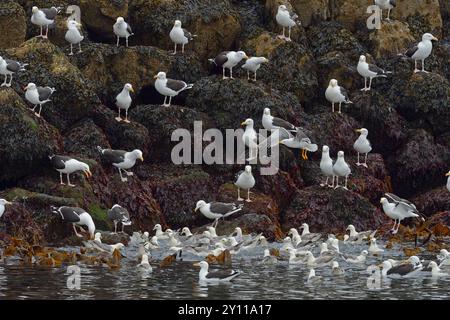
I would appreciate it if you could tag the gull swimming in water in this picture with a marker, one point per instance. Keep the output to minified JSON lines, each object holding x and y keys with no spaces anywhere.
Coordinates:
{"x":362,"y":145}
{"x":357,"y":260}
{"x":436,"y":270}
{"x":373,"y":248}
{"x":206,"y":276}
{"x":268,"y":258}
{"x":336,"y":270}
{"x":145,"y":265}
{"x":312,"y":278}
{"x":405,"y":270}
{"x":359,"y":236}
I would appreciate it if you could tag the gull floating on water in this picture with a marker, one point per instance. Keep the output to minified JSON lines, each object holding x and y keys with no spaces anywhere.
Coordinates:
{"x":206,"y":276}
{"x":358,"y":259}
{"x":336,"y":270}
{"x":145,"y":265}
{"x":373,"y":248}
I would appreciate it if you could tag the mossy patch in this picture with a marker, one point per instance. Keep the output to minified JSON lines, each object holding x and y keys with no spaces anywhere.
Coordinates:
{"x":100,"y":217}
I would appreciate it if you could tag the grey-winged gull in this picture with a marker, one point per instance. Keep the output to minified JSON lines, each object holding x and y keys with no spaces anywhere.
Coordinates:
{"x":436,"y":270}
{"x":341,"y":169}
{"x":300,"y":141}
{"x":389,"y":210}
{"x":421,"y":51}
{"x":326,"y":166}
{"x":217,"y":210}
{"x":122,"y":160}
{"x":336,"y":94}
{"x":3,"y":202}
{"x":253,"y":64}
{"x":369,"y":71}
{"x":336,"y":270}
{"x":73,"y":35}
{"x":448,"y":180}
{"x":119,"y":214}
{"x":404,"y":270}
{"x":362,"y":145}
{"x":122,"y":30}
{"x":169,"y":87}
{"x":228,"y":60}
{"x":38,"y":96}
{"x":8,"y":68}
{"x":246,"y":181}
{"x":206,"y":276}
{"x":286,"y":19}
{"x":250,"y":138}
{"x":269,"y":259}
{"x":373,"y":247}
{"x":179,"y":35}
{"x":395,"y":206}
{"x":270,"y":122}
{"x":78,"y":217}
{"x":123,"y":101}
{"x":144,"y":264}
{"x":361,"y":258}
{"x":44,"y":18}
{"x":385,"y":5}
{"x":69,"y":165}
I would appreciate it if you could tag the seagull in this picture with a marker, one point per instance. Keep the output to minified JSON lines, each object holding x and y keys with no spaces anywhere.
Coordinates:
{"x":362,"y":145}
{"x":145,"y":265}
{"x":395,"y":206}
{"x":293,"y":257}
{"x":122,"y":30}
{"x":73,"y":35}
{"x":358,"y":259}
{"x":68,"y":165}
{"x":373,"y":248}
{"x":421,"y":51}
{"x":268,"y":258}
{"x":228,"y":60}
{"x":122,"y":160}
{"x":312,"y":261}
{"x":246,"y":181}
{"x":341,"y":169}
{"x":212,"y":231}
{"x":271,"y":123}
{"x":326,"y":166}
{"x":205,"y":276}
{"x":444,"y":258}
{"x":250,"y":138}
{"x":312,"y":278}
{"x":3,"y":202}
{"x":300,"y":141}
{"x":44,"y":17}
{"x":217,"y":210}
{"x":123,"y":101}
{"x":186,"y":232}
{"x":38,"y":96}
{"x":336,"y":270}
{"x":253,"y":64}
{"x":404,"y":270}
{"x":359,"y":236}
{"x":76,"y":216}
{"x":159,"y":233}
{"x":119,"y":214}
{"x":307,"y":235}
{"x":286,"y":19}
{"x":169,"y":87}
{"x":436,"y":271}
{"x":179,"y":35}
{"x":385,"y":5}
{"x":8,"y":68}
{"x":448,"y":180}
{"x":389,"y":210}
{"x":370,"y":71}
{"x":336,"y":94}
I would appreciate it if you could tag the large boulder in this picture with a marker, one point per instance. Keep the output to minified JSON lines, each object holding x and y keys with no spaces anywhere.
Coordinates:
{"x":13,"y":22}
{"x":423,"y":16}
{"x":433,"y":201}
{"x":393,"y":38}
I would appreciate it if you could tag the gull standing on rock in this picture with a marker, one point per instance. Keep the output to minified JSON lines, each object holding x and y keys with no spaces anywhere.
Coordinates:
{"x":385,"y":5}
{"x":326,"y":166}
{"x":68,"y":165}
{"x":123,"y":101}
{"x":250,"y":139}
{"x":38,"y":96}
{"x":253,"y":64}
{"x":169,"y":87}
{"x":122,"y":30}
{"x":44,"y":18}
{"x":421,"y":51}
{"x":398,"y":208}
{"x":246,"y":181}
{"x":362,"y":145}
{"x":73,"y":35}
{"x":369,"y":71}
{"x":8,"y":68}
{"x":341,"y":169}
{"x":122,"y":160}
{"x":336,"y":94}
{"x":286,"y":19}
{"x":3,"y":202}
{"x":119,"y":214}
{"x":179,"y":35}
{"x":448,"y":180}
{"x":217,"y":210}
{"x":228,"y":60}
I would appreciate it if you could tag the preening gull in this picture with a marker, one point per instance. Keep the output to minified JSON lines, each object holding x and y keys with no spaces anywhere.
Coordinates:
{"x":217,"y":210}
{"x":448,"y":180}
{"x":44,"y":18}
{"x":421,"y":51}
{"x":385,"y":5}
{"x":253,"y":64}
{"x":250,"y":139}
{"x":119,"y":214}
{"x":122,"y":30}
{"x":228,"y":60}
{"x":205,"y":276}
{"x":122,"y":160}
{"x":169,"y":87}
{"x":123,"y":101}
{"x":300,"y":141}
{"x":8,"y":68}
{"x":179,"y":35}
{"x":369,"y":71}
{"x":326,"y":166}
{"x":68,"y":165}
{"x":341,"y":169}
{"x":38,"y":96}
{"x":3,"y":202}
{"x":270,"y":122}
{"x":246,"y":181}
{"x":398,"y":209}
{"x":362,"y":145}
{"x":336,"y":94}
{"x":286,"y":19}
{"x":78,"y":217}
{"x":73,"y":35}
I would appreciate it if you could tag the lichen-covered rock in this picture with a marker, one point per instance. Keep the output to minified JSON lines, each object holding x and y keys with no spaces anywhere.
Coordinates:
{"x":251,"y":223}
{"x":13,"y":24}
{"x":433,"y":201}
{"x":311,"y":11}
{"x":26,"y":140}
{"x":422,"y":16}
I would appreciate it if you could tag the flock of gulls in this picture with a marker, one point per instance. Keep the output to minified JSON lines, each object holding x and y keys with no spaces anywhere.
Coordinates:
{"x":310,"y":249}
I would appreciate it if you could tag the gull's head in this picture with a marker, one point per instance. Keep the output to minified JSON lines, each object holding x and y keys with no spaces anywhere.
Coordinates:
{"x":363,"y":131}
{"x":266,"y":253}
{"x":35,"y":9}
{"x":362,"y":58}
{"x":444,"y":252}
{"x":304,"y":225}
{"x":350,"y":228}
{"x":200,"y":204}
{"x":292,"y":231}
{"x":185,"y":231}
{"x":161,"y":75}
{"x":202,"y":265}
{"x":325,"y":149}
{"x":85,"y":168}
{"x":287,"y":240}
{"x":323,"y":246}
{"x":98,"y":236}
{"x":373,"y":240}
{"x":333,"y":83}
{"x":30,"y":86}
{"x":207,"y":234}
{"x":387,"y":265}
{"x":433,"y":265}
{"x":128,"y":87}
{"x":264,"y":60}
{"x":341,"y":154}
{"x":120,"y":20}
{"x":248,"y":169}
{"x":248,"y":122}
{"x":282,"y":8}
{"x":447,"y":174}
{"x":346,"y":237}
{"x":242,"y":55}
{"x":335,"y":264}
{"x":364,"y":252}
{"x":383,"y":200}
{"x":177,"y":23}
{"x":119,"y":246}
{"x":414,"y":260}
{"x":157,"y":227}
{"x":267,"y":111}
{"x":138,"y":154}
{"x":428,"y":37}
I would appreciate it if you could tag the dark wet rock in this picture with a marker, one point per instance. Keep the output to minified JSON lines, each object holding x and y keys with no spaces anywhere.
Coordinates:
{"x":281,"y":187}
{"x":26,"y":141}
{"x":433,"y":201}
{"x":113,"y":238}
{"x":251,"y":223}
{"x":12,"y":23}
{"x":82,"y":138}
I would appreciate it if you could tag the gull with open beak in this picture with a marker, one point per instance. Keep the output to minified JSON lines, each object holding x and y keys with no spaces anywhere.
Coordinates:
{"x":3,"y":202}
{"x":68,"y":165}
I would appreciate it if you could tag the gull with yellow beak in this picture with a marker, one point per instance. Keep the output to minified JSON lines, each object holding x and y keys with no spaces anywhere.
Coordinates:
{"x":122,"y":160}
{"x":68,"y":165}
{"x":217,"y":210}
{"x":38,"y":96}
{"x":300,"y":141}
{"x":169,"y":87}
{"x":123,"y":101}
{"x":228,"y":60}
{"x":336,"y":94}
{"x":250,"y":139}
{"x":3,"y":202}
{"x":73,"y":35}
{"x":362,"y":145}
{"x":253,"y":64}
{"x":448,"y":180}
{"x":421,"y":51}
